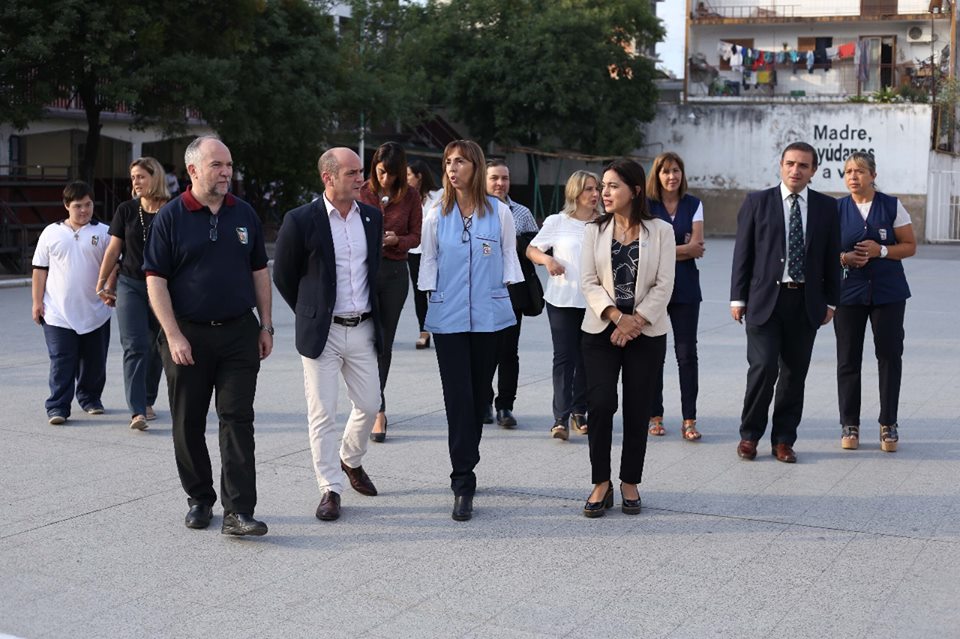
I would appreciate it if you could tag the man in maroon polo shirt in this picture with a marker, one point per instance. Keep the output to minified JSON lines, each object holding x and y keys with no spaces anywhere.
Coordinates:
{"x":206,"y":269}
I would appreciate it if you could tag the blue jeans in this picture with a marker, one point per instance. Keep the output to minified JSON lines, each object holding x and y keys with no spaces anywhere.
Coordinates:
{"x":138,"y":336}
{"x":77,"y":362}
{"x":569,"y":380}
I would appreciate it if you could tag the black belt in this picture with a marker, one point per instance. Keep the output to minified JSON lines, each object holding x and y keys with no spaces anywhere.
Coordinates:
{"x":792,"y":285}
{"x":222,"y":322}
{"x":351,"y":321}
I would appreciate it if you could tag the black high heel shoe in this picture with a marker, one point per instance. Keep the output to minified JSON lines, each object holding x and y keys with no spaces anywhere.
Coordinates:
{"x":380,"y":437}
{"x":599,"y":508}
{"x":629,"y":506}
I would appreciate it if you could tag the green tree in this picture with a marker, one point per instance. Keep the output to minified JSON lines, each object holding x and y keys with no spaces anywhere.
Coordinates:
{"x":545,"y":73}
{"x":281,"y":107}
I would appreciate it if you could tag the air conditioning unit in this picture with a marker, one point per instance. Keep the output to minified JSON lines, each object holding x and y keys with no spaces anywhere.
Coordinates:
{"x":919,"y":34}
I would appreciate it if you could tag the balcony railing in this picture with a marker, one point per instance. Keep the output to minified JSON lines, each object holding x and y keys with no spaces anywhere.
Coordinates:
{"x":743,"y":9}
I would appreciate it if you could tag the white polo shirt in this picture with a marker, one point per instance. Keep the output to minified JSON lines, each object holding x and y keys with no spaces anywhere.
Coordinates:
{"x":72,"y":259}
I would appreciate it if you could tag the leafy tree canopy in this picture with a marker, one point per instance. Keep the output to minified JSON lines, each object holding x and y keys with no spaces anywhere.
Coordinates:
{"x":546,"y":73}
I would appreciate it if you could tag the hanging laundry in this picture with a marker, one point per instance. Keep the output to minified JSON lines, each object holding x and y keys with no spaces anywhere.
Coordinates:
{"x":863,"y":68}
{"x":725,"y":49}
{"x":833,"y":52}
{"x":846,"y":50}
{"x":810,"y":61}
{"x":736,"y":59}
{"x":794,"y":56}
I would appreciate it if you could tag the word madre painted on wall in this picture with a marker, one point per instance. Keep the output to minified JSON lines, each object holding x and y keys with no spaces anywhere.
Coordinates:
{"x":834,"y":145}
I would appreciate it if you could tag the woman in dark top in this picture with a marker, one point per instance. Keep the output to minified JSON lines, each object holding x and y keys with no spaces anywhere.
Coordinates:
{"x":669,"y":201}
{"x":627,"y":269}
{"x":129,"y":231}
{"x":876,"y":234}
{"x":402,"y":212}
{"x":421,"y":180}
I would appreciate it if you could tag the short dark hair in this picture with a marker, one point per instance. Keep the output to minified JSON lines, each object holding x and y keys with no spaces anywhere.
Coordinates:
{"x":803,"y":147}
{"x":492,"y":162}
{"x":76,"y":191}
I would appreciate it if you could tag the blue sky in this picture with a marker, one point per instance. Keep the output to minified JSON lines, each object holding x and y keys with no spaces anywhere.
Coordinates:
{"x":671,"y":49}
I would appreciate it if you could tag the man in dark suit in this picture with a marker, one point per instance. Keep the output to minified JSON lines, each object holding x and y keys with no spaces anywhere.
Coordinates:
{"x":327,"y":256}
{"x":785,"y":284}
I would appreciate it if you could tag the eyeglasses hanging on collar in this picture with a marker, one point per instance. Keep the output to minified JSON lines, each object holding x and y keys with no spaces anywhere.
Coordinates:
{"x":467,"y":223}
{"x":214,"y":220}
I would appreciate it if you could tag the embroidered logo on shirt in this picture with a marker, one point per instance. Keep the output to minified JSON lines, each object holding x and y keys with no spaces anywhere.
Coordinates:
{"x":883,"y":234}
{"x":486,"y":249}
{"x":242,"y":234}
{"x":95,"y":240}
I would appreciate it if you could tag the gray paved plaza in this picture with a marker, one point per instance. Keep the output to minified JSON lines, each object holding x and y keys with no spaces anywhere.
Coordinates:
{"x":841,"y":544}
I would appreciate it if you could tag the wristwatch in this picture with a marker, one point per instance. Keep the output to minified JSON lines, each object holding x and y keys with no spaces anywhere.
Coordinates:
{"x":268,"y":329}
{"x":883,"y":250}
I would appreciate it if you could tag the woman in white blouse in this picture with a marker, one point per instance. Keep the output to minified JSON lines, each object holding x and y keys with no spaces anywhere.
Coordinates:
{"x":563,"y":233}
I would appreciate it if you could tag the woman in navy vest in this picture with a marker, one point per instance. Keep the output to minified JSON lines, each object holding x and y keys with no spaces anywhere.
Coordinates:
{"x":469,"y":256}
{"x":875,"y":234}
{"x":669,"y":201}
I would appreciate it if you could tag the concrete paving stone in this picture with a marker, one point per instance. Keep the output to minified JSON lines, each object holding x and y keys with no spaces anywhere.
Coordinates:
{"x":94,"y":542}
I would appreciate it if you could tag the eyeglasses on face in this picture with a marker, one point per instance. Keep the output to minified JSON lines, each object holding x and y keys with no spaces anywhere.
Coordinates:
{"x":214,"y":220}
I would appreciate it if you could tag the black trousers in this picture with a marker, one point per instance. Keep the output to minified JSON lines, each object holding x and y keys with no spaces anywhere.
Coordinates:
{"x":466,"y":362}
{"x":226,"y":363}
{"x":850,"y":326}
{"x":639,"y":362}
{"x":419,"y":297}
{"x":684,"y":318}
{"x":569,"y":379}
{"x":778,"y":353}
{"x":391,"y":294}
{"x":508,"y":367}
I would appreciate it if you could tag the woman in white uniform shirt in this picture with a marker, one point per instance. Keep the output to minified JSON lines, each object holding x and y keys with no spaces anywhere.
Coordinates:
{"x":563,"y":233}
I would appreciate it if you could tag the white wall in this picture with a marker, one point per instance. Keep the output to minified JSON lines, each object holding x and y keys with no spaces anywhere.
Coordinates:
{"x":737,"y":146}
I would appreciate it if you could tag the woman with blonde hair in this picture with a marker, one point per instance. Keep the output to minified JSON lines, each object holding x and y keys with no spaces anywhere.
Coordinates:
{"x":563,"y":233}
{"x":669,"y":201}
{"x":469,"y":257}
{"x":130,"y":230}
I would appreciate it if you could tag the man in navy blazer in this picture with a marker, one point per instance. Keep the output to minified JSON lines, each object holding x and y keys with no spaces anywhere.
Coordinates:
{"x":327,"y":255}
{"x":784,"y":295}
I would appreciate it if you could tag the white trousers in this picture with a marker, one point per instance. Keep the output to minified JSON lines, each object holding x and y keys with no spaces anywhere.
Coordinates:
{"x":352,"y":352}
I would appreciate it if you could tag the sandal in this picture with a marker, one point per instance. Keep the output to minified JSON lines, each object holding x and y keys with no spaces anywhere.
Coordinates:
{"x":423,"y":341}
{"x":655,"y":427}
{"x":889,"y":438}
{"x":690,"y":432}
{"x":850,"y":437}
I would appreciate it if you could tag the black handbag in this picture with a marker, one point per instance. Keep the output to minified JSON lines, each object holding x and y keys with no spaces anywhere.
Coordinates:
{"x":526,"y":296}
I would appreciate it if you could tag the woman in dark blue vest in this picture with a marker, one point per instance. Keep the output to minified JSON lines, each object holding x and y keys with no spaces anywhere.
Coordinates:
{"x":669,"y":200}
{"x":876,"y":234}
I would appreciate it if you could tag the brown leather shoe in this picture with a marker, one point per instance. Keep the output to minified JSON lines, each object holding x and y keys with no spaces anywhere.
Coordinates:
{"x":784,"y":453}
{"x":359,"y":480}
{"x":747,"y":449}
{"x":329,"y":508}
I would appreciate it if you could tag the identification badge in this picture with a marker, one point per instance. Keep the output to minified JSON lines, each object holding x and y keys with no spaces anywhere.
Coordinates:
{"x":242,"y":234}
{"x":883,"y":234}
{"x":487,"y":250}
{"x":95,"y":240}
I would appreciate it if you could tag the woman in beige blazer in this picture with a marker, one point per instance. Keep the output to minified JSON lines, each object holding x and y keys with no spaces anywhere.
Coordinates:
{"x":627,"y":269}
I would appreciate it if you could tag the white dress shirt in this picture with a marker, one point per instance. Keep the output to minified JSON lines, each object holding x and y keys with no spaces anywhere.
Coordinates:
{"x":564,"y":234}
{"x":802,"y":200}
{"x":350,"y":254}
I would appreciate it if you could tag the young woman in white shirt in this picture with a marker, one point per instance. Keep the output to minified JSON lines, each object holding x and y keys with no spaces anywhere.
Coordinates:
{"x":563,"y":233}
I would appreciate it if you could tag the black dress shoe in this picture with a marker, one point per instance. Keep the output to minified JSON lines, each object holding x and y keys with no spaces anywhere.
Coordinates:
{"x":488,"y":417}
{"x":629,"y":506}
{"x":242,"y":524}
{"x":329,"y":508}
{"x":381,"y":437}
{"x":505,"y":419}
{"x":599,"y":508}
{"x":462,"y":507}
{"x":198,"y":516}
{"x":359,"y":480}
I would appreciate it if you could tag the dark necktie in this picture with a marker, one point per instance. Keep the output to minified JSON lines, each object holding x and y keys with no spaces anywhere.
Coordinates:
{"x":795,"y":241}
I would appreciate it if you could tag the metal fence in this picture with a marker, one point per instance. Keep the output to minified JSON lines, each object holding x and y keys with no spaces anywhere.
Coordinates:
{"x":943,"y":207}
